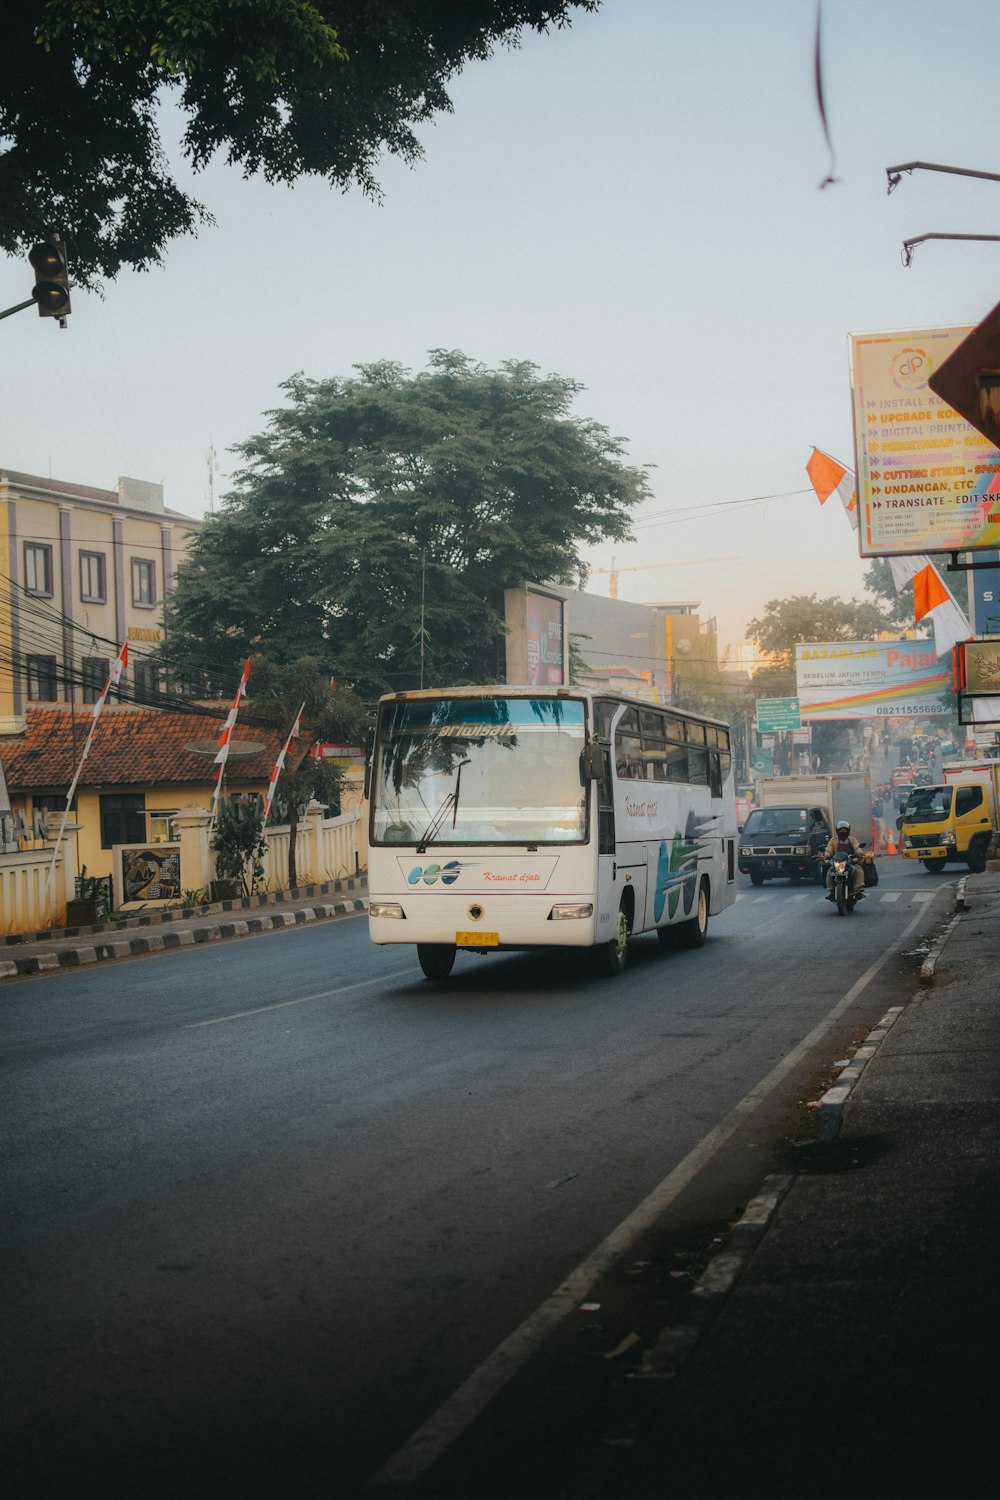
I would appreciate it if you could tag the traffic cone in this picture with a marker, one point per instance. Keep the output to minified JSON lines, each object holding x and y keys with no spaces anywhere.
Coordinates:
{"x":890,"y":847}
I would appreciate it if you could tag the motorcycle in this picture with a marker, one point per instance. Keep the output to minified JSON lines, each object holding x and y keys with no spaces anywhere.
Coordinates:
{"x":843,"y":865}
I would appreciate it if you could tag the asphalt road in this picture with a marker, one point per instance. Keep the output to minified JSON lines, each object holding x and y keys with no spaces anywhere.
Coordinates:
{"x":269,"y":1205}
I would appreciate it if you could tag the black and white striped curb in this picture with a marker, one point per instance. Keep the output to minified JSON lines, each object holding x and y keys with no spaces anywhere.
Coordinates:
{"x":663,"y":1359}
{"x":831,"y":1105}
{"x":156,"y":942}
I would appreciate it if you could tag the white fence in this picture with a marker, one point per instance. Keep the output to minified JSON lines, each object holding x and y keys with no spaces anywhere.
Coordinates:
{"x":29,"y":900}
{"x":326,"y":849}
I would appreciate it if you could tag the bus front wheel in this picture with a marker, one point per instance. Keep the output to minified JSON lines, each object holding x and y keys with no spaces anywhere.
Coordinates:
{"x":436,"y":959}
{"x":613,"y":955}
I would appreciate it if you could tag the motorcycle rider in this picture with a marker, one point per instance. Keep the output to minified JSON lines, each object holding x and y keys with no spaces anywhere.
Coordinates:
{"x":843,"y":841}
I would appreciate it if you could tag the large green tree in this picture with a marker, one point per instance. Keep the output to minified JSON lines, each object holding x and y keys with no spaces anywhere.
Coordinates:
{"x":283,"y":87}
{"x":786,"y":623}
{"x":377,"y":522}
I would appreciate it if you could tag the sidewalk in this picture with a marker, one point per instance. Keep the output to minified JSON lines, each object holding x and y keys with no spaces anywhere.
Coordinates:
{"x":156,"y":930}
{"x":845,"y":1340}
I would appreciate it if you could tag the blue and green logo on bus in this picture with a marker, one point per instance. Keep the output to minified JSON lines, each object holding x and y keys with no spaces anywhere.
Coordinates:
{"x":677,"y":871}
{"x":430,"y":874}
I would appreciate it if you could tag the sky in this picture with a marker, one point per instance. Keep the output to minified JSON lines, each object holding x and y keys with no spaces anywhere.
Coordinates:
{"x":633,"y":203}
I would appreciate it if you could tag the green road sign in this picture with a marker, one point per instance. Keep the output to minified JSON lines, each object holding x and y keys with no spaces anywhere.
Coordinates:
{"x":777,"y":713}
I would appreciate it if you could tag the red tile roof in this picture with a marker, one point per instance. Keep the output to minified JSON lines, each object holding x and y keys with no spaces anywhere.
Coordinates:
{"x":143,"y":747}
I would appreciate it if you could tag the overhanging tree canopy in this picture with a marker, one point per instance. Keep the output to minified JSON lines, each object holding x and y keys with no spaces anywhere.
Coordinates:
{"x":379,"y":519}
{"x":283,"y":87}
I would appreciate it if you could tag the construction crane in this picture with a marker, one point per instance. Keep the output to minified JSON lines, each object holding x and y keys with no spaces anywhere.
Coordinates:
{"x":614,"y":570}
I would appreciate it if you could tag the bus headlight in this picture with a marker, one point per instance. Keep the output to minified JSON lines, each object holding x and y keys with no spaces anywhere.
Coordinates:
{"x":386,"y":909}
{"x":570,"y":910}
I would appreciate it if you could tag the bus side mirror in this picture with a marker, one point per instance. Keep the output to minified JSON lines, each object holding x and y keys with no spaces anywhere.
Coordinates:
{"x":368,"y":780}
{"x":592,"y":761}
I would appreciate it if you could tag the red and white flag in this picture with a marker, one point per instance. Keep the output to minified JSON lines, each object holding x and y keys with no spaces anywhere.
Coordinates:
{"x":827,"y":477}
{"x":279,"y":764}
{"x":230,"y":724}
{"x":931,"y":596}
{"x":114,"y":678}
{"x":226,"y":736}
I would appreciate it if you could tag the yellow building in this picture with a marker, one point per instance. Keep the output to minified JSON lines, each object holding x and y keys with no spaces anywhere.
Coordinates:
{"x":81,"y":571}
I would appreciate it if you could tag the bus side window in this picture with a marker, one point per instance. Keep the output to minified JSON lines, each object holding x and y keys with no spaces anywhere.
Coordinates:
{"x":715,"y":777}
{"x":697,"y":767}
{"x":628,"y":747}
{"x":677,"y":763}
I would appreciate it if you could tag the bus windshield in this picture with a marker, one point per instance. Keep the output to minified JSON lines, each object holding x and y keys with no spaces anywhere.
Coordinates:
{"x":479,"y":770}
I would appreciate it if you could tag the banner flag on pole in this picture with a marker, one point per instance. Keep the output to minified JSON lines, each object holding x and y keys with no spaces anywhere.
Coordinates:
{"x":905,"y":569}
{"x":279,"y":764}
{"x":928,"y":592}
{"x":827,"y":477}
{"x":226,"y":736}
{"x":931,"y":596}
{"x":114,"y":678}
{"x":230,"y":724}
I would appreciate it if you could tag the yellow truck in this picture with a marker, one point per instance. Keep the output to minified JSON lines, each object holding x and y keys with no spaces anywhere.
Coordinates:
{"x":955,"y":821}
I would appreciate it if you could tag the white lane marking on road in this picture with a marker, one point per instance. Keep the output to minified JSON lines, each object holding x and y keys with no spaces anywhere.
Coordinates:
{"x":241,"y":1015}
{"x":924,"y":895}
{"x":425,"y":1446}
{"x":891,"y":896}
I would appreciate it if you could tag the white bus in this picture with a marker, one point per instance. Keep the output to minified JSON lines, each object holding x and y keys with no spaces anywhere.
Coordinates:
{"x":524,"y":817}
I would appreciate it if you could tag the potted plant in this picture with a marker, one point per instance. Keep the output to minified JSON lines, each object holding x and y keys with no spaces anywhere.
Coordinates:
{"x":91,"y":893}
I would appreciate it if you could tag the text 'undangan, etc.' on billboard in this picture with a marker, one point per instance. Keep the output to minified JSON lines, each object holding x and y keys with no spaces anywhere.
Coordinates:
{"x":927,"y":480}
{"x":870,"y":680}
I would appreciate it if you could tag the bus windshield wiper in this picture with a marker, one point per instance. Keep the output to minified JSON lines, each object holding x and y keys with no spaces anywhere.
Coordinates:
{"x":449,"y":805}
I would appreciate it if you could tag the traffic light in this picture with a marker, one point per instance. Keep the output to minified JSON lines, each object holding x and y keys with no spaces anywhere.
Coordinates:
{"x":51,"y":289}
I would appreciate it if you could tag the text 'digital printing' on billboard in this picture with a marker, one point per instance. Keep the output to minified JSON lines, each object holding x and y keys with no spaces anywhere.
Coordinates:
{"x":927,"y":480}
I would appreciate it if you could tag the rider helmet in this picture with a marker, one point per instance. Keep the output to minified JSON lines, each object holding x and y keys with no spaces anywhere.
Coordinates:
{"x":843,"y":826}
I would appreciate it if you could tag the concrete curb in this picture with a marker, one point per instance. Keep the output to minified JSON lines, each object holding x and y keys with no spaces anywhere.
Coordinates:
{"x":663,"y":1359}
{"x":831,"y":1104}
{"x":137,"y":946}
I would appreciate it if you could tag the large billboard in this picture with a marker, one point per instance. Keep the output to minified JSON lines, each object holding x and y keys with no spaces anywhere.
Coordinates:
{"x":870,"y":680}
{"x":928,"y":481}
{"x":536,"y":637}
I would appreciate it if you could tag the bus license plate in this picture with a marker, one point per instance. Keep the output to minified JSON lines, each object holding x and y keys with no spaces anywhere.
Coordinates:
{"x":477,"y":940}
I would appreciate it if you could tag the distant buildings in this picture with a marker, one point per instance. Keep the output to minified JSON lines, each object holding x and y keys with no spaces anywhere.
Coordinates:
{"x":81,"y":571}
{"x":657,"y":651}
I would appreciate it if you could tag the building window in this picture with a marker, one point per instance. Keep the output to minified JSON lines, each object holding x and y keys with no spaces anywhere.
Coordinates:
{"x":93,"y":588}
{"x":96,"y":670}
{"x":146,"y":679}
{"x":143,"y":581}
{"x":42,"y":679}
{"x":123,"y":819}
{"x":37,"y":568}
